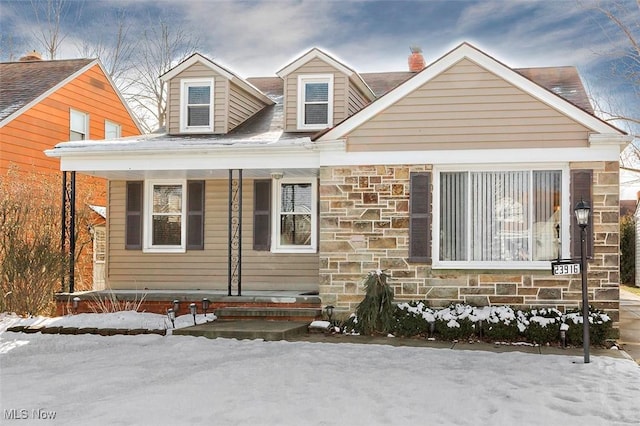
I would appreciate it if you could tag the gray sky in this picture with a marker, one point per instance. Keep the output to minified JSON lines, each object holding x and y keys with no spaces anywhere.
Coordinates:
{"x":257,"y":38}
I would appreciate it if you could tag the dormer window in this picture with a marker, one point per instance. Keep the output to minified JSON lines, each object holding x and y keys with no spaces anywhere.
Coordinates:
{"x":315,"y":102}
{"x":196,"y":101}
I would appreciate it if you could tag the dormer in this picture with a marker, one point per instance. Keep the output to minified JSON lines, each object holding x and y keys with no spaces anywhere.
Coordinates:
{"x":206,"y":98}
{"x":320,"y":92}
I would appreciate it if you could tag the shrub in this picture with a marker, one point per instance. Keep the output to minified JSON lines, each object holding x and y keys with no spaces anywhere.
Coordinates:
{"x":600,"y":327}
{"x":628,"y":250}
{"x":499,"y":323}
{"x":375,"y":312}
{"x":31,"y":263}
{"x":542,"y":325}
{"x":412,"y":319}
{"x":454,"y":322}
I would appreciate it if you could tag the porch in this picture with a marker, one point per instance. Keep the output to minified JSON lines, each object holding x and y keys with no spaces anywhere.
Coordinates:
{"x":281,"y":305}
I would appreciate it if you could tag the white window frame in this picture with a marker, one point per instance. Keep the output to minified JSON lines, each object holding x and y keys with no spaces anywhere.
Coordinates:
{"x":276,"y":247}
{"x":566,"y":217}
{"x":147,"y":233}
{"x":85,"y":120}
{"x":184,"y":87}
{"x":115,"y":127}
{"x":314,"y":78}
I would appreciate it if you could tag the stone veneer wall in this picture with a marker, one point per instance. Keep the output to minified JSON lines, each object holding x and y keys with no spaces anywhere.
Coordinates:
{"x":364,"y":224}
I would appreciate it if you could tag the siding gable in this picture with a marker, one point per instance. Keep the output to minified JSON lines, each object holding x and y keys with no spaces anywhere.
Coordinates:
{"x":233,"y":105}
{"x":467,"y":107}
{"x":348,"y":98}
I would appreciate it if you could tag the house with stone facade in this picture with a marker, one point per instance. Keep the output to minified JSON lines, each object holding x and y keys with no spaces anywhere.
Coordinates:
{"x":458,"y":177}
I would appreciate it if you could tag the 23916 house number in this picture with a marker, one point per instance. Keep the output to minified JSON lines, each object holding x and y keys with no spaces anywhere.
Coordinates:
{"x":565,"y":268}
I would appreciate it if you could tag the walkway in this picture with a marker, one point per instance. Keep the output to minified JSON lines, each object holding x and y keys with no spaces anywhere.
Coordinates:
{"x":630,"y":324}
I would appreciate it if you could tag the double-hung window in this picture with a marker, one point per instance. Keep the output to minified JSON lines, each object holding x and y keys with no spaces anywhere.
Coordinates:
{"x":196,"y":105}
{"x":165,"y":224}
{"x":511,"y":218}
{"x":78,"y":125}
{"x":295,"y":218}
{"x":315,"y":101}
{"x":111,"y":130}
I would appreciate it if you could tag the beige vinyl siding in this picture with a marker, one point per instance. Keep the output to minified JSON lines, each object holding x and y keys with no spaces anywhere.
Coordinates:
{"x":467,"y":107}
{"x":242,"y":105}
{"x":204,"y":269}
{"x":356,"y":100}
{"x":220,"y":91}
{"x":340,"y":92}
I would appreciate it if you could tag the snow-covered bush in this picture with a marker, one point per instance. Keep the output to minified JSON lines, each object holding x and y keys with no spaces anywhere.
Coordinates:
{"x":498,"y":322}
{"x":600,"y":326}
{"x":541,"y":325}
{"x":413,"y":319}
{"x":455,"y":322}
{"x":375,"y":312}
{"x":493,"y":323}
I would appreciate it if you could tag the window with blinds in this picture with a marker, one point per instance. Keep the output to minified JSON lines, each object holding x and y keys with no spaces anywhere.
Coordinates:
{"x":500,"y":216}
{"x":196,"y":98}
{"x":315,"y":101}
{"x":295,"y":224}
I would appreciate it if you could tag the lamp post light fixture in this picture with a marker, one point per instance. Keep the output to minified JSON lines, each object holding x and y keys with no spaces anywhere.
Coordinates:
{"x":329,"y":309}
{"x":205,"y":305}
{"x":582,"y":211}
{"x":171,"y":314}
{"x":176,"y":306}
{"x":76,"y":302}
{"x":193,"y":310}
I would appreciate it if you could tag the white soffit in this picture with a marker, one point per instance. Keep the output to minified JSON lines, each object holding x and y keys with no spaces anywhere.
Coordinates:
{"x":467,"y":51}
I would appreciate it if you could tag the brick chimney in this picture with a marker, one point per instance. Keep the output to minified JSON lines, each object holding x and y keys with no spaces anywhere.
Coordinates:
{"x":31,"y":56}
{"x":416,"y":60}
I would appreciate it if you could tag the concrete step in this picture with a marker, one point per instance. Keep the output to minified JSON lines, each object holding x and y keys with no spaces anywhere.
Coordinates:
{"x":269,"y":313}
{"x":246,"y":329}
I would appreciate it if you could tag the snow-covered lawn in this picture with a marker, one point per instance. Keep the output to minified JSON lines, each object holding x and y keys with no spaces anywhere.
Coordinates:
{"x":179,"y":380}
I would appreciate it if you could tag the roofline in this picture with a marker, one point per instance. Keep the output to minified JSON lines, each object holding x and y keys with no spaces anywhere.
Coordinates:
{"x":199,"y":58}
{"x":468,"y":51}
{"x":45,"y":94}
{"x":317,"y":53}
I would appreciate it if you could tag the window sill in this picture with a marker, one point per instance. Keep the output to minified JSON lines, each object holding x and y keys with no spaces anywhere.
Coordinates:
{"x":529,"y":266}
{"x":164,"y":250}
{"x":291,"y":250}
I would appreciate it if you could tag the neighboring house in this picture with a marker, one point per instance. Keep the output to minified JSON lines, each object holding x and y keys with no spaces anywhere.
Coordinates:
{"x":45,"y":102}
{"x":459,"y":179}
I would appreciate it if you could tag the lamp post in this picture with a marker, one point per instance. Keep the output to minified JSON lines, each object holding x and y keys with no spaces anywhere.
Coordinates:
{"x":329,"y":309}
{"x":171,"y":314}
{"x":205,"y":305}
{"x":582,"y":211}
{"x":193,"y":310}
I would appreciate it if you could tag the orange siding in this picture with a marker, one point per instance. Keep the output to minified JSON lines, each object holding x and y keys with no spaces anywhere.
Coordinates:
{"x":23,"y":140}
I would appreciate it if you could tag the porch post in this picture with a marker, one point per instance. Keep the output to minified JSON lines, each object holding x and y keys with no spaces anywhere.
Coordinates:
{"x":72,"y":232}
{"x":68,"y":222}
{"x":63,"y":225}
{"x":235,"y":232}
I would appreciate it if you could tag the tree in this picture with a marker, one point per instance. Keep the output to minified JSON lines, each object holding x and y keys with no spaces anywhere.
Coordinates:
{"x":623,"y":33}
{"x":116,"y":50}
{"x":49,"y":15}
{"x":160,"y":48}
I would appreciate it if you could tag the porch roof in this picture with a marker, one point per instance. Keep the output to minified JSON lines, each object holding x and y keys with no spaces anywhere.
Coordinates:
{"x":161,"y":156}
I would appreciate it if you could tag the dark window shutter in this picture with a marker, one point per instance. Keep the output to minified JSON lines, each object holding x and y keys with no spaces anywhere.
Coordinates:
{"x":581,"y":183}
{"x":133,"y":231}
{"x":420,"y":217}
{"x":262,"y":215}
{"x":195,"y":215}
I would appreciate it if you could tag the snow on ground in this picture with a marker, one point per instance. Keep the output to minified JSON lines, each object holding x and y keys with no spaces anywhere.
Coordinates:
{"x":181,"y":380}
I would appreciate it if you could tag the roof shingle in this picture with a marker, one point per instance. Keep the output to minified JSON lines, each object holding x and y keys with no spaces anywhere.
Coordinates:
{"x":22,"y":82}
